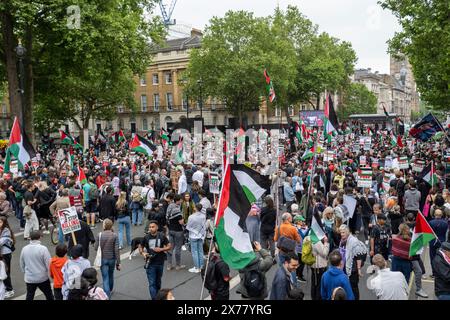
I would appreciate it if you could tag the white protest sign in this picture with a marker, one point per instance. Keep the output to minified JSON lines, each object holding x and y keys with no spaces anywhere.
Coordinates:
{"x":350,"y":203}
{"x":403,"y":163}
{"x":362,"y":161}
{"x":68,"y":219}
{"x":214,"y":183}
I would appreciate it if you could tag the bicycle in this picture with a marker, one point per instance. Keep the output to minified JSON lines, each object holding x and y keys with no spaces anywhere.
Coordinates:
{"x":54,"y":234}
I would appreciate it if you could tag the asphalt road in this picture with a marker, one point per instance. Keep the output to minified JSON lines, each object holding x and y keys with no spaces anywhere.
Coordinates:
{"x":131,"y":282}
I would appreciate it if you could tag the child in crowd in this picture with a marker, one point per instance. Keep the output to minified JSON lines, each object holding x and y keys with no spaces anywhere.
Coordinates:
{"x":3,"y":277}
{"x":56,"y":265}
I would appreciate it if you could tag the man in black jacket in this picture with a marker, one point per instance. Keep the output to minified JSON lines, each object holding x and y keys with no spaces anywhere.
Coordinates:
{"x":441,"y":265}
{"x":84,"y":236}
{"x":107,"y":207}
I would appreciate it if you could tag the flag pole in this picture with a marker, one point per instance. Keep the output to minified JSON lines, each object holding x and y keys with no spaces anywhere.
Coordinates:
{"x":440,"y":125}
{"x":312,"y":173}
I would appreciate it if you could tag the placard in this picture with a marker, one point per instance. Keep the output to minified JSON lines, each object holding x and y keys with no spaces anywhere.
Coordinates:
{"x":388,"y":162}
{"x":365,"y":178}
{"x":418,"y":165}
{"x":362,"y":161}
{"x":68,"y":219}
{"x":214,"y":183}
{"x":386,"y":181}
{"x":403,"y":163}
{"x":375,"y":163}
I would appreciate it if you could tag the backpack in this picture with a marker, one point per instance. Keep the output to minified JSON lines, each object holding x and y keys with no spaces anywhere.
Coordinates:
{"x":254,"y":283}
{"x":285,"y":244}
{"x":307,"y":255}
{"x":209,"y":276}
{"x":136,"y":196}
{"x":93,"y":192}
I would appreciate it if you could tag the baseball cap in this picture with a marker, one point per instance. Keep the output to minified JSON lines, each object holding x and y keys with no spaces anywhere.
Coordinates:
{"x":299,"y":217}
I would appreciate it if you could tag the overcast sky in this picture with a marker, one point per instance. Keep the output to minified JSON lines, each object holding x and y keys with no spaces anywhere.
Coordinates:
{"x":361,"y":22}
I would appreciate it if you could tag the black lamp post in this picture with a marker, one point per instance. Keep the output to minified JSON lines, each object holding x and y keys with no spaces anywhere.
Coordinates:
{"x":21,"y":51}
{"x":200,"y":83}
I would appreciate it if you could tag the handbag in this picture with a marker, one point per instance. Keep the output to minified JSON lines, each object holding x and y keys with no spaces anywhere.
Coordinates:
{"x":98,"y":257}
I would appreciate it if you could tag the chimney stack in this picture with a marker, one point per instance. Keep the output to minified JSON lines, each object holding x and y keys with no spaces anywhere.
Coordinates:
{"x":196,"y":32}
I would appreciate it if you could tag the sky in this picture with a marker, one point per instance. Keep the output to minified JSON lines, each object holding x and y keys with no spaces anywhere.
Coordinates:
{"x":362,"y":22}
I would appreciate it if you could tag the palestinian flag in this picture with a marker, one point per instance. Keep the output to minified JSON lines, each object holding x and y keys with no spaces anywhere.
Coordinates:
{"x":81,"y":179}
{"x":298,"y":133}
{"x":422,"y":234}
{"x":241,"y":187}
{"x":385,"y":111}
{"x":70,"y":158}
{"x":399,"y":141}
{"x":331,"y":123}
{"x":394,"y":140}
{"x":269,"y":86}
{"x":309,"y":153}
{"x":120,"y":136}
{"x":142,"y":145}
{"x":179,"y":155}
{"x":65,"y":138}
{"x":18,"y":146}
{"x":429,"y":174}
{"x":317,"y":233}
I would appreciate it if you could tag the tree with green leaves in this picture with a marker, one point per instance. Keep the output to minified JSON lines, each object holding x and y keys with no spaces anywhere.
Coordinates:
{"x":230,"y":64}
{"x":425,"y":40}
{"x":357,"y":99}
{"x":77,"y":71}
{"x":326,"y":63}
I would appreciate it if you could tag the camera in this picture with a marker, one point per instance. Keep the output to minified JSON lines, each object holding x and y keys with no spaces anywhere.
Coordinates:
{"x":148,"y":259}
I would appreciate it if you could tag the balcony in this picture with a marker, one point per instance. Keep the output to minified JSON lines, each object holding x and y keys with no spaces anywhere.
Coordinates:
{"x":178,"y":108}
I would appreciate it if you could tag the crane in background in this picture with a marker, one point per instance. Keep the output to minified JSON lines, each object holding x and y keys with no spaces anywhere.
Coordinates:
{"x":166,"y":12}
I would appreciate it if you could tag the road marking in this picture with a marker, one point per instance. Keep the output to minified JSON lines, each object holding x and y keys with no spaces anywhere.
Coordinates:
{"x":233,"y":283}
{"x":123,"y":256}
{"x":18,"y":234}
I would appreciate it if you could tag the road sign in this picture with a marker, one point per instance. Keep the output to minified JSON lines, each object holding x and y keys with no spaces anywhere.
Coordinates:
{"x":214,"y":183}
{"x":68,"y":219}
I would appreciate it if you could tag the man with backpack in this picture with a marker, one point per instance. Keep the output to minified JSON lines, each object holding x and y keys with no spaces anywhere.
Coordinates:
{"x":91,"y":195}
{"x":217,"y":276}
{"x":253,"y":277}
{"x":282,"y":282}
{"x":136,"y":201}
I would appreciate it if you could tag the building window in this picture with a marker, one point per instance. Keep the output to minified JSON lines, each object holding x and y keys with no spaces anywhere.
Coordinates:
{"x":291,"y":110}
{"x":156,"y":102}
{"x":109,"y":125}
{"x":213,"y":104}
{"x":120,"y":124}
{"x":214,"y":120}
{"x":144,"y":124}
{"x":303,"y":107}
{"x":4,"y":109}
{"x":143,"y":81}
{"x":277,"y":112}
{"x":169,"y":99}
{"x":184,"y":103}
{"x":144,"y":103}
{"x":120,"y":109}
{"x":168,"y":76}
{"x":155,"y":78}
{"x":199,"y":103}
{"x":167,"y":53}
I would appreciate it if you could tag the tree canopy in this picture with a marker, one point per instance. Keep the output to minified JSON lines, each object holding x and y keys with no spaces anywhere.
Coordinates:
{"x":357,"y":99}
{"x":238,"y":47}
{"x":425,"y":40}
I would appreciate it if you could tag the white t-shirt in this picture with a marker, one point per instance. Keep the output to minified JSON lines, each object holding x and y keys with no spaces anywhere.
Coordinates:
{"x":150,"y":194}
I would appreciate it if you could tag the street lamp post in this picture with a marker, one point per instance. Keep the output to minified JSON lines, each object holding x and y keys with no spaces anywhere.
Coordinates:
{"x":21,"y":51}
{"x":200,"y":83}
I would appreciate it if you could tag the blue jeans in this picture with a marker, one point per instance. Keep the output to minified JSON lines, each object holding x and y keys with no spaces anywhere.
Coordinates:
{"x":124,"y":222}
{"x":137,"y":215}
{"x":107,"y":270}
{"x":402,"y":265}
{"x":154,"y":275}
{"x":19,"y":215}
{"x":444,"y":297}
{"x":197,"y":252}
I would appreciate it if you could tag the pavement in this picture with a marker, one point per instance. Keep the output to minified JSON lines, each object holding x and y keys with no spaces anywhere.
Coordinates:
{"x":131,"y":282}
